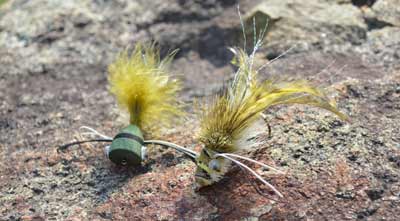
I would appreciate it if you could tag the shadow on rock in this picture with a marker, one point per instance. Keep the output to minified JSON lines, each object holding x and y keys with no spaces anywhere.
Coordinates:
{"x":232,"y":197}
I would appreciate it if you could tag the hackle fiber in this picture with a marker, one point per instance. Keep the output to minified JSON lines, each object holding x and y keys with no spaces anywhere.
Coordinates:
{"x":224,"y":122}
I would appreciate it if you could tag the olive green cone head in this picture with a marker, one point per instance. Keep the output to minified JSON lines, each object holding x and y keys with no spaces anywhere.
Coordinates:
{"x":127,"y":147}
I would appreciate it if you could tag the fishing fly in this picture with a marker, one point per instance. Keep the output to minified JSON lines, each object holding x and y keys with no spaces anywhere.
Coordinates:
{"x":141,"y":84}
{"x":227,"y":123}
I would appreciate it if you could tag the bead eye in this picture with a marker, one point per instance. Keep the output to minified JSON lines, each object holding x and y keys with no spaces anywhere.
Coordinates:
{"x":214,"y":165}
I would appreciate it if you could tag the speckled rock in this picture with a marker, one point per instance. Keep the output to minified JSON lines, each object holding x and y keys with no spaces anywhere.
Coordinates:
{"x":53,"y":59}
{"x":317,"y":24}
{"x":388,"y":11}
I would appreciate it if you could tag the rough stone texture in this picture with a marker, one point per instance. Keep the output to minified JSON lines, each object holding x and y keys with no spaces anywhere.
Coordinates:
{"x":388,"y":11}
{"x":383,"y":47}
{"x":314,"y":25}
{"x":53,"y":59}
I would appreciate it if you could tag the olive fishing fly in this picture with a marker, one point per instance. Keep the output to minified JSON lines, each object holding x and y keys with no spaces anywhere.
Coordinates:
{"x":142,"y":85}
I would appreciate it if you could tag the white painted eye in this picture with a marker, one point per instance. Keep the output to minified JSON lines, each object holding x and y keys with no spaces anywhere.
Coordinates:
{"x":214,"y":165}
{"x":144,"y":152}
{"x":107,"y":151}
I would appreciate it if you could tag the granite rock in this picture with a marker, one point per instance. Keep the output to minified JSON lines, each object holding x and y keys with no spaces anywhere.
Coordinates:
{"x":53,"y":79}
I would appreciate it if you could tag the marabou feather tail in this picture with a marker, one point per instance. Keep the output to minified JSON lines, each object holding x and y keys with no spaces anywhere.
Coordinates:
{"x":141,"y":84}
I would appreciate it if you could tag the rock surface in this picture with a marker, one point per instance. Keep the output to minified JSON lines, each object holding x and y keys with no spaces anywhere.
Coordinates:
{"x":388,"y":11}
{"x":53,"y":79}
{"x":315,"y":24}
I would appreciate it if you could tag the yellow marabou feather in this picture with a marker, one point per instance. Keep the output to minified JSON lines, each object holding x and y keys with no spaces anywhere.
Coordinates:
{"x":224,"y":123}
{"x":141,"y":84}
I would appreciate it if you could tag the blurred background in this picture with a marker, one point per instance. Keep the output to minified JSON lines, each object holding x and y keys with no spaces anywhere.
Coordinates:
{"x":53,"y":79}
